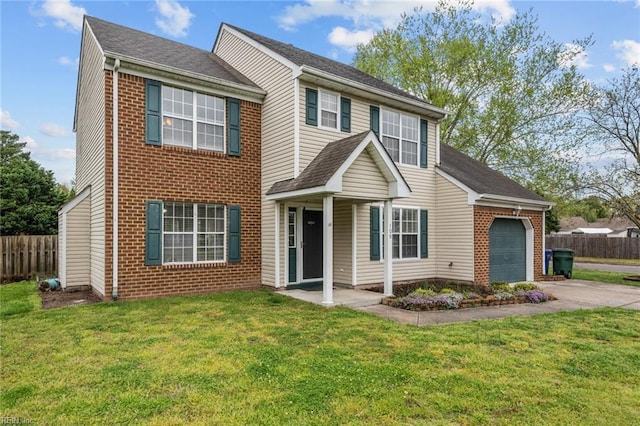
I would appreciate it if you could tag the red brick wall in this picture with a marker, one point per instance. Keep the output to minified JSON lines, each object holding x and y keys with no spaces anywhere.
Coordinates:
{"x":167,"y":173}
{"x":483,"y":218}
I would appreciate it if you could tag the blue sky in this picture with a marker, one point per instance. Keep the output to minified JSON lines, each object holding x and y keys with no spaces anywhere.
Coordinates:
{"x":40,"y":44}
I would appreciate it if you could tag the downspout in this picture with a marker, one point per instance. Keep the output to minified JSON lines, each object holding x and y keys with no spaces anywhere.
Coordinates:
{"x":296,"y":126}
{"x":114,"y":293}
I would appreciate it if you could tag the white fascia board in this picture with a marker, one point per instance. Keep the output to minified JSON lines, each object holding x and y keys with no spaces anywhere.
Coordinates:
{"x":295,"y":69}
{"x":148,"y":69}
{"x":514,"y":201}
{"x":316,"y":190}
{"x":431,"y":110}
{"x":71,"y":204}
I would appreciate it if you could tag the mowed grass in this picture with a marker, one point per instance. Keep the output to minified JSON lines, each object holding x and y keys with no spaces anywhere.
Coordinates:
{"x":609,"y":261}
{"x":604,"y":277}
{"x":261,"y":358}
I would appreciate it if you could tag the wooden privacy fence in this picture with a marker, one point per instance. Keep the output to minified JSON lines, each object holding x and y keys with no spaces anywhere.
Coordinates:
{"x":597,"y":246}
{"x":26,"y":256}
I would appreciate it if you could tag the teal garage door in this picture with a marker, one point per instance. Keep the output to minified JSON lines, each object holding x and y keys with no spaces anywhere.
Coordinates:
{"x":507,"y":251}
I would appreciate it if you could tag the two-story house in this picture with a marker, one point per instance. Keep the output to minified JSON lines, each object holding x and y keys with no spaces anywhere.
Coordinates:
{"x":340,"y":178}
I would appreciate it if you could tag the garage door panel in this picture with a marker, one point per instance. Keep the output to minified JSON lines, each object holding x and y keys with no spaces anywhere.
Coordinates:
{"x":507,"y":250}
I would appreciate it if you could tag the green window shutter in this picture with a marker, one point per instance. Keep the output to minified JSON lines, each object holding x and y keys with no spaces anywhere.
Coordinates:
{"x":345,"y":115}
{"x":374,"y":119}
{"x":233,"y":127}
{"x":423,"y":143}
{"x":153,"y":113}
{"x":312,"y":107}
{"x":153,"y":236}
{"x":374,"y":226}
{"x":234,"y":234}
{"x":424,"y":232}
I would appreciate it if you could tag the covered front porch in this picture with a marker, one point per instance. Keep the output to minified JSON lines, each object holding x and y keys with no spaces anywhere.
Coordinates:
{"x":322,"y":219}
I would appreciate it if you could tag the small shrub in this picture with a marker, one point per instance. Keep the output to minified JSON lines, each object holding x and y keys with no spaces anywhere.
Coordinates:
{"x":425,"y":292}
{"x":469,"y":295}
{"x":446,"y":291}
{"x":503,"y":295}
{"x":500,"y":287}
{"x":525,"y":287}
{"x":536,"y":296}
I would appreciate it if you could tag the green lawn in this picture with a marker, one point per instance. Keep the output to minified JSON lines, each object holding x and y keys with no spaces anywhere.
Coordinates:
{"x":604,"y":276}
{"x":609,"y":261}
{"x":260,"y":358}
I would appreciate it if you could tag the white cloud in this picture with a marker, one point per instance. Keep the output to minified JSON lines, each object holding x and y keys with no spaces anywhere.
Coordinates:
{"x":67,"y":61}
{"x":574,"y":55}
{"x":368,"y":17}
{"x":31,"y":143}
{"x":628,"y":51}
{"x":174,"y":18}
{"x":348,"y":40}
{"x":609,"y":67}
{"x":7,"y":122}
{"x":54,"y":130}
{"x":65,"y":15}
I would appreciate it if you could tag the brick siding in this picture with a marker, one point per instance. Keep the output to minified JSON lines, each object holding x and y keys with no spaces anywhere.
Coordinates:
{"x":483,"y":218}
{"x":169,"y":173}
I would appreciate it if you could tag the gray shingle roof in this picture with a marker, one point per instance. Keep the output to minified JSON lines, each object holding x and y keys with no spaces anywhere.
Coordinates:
{"x":302,"y":57}
{"x":125,"y":41}
{"x":321,"y":168}
{"x":481,"y":178}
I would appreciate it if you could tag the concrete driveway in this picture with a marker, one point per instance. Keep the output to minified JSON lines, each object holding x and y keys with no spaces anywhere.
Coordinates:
{"x":608,"y":267}
{"x":571,"y":294}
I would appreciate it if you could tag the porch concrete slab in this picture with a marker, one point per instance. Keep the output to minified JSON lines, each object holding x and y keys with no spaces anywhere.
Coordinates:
{"x":341,"y":297}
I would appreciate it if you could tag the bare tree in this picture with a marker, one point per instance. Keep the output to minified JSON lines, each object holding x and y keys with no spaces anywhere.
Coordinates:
{"x":615,"y":122}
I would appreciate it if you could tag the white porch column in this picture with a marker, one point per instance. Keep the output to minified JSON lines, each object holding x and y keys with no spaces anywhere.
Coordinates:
{"x":327,"y":250}
{"x":388,"y":249}
{"x":276,"y":248}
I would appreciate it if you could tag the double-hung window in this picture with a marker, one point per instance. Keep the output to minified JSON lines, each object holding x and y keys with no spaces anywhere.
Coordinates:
{"x":192,"y":120}
{"x":193,"y":233}
{"x":329,"y":110}
{"x":400,"y":136}
{"x":404,"y":233}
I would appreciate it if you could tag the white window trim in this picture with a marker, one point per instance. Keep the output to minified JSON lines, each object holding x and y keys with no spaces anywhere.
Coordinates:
{"x":417,"y":117}
{"x":338,"y":117}
{"x":194,"y":119}
{"x":382,"y":234}
{"x":195,"y":235}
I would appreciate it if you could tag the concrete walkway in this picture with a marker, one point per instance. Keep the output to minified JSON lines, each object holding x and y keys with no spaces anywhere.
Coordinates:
{"x":571,"y":294}
{"x":631,"y":269}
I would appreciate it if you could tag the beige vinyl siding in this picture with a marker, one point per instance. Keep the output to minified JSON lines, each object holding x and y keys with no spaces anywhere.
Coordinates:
{"x":277,"y":131}
{"x":77,"y":245}
{"x":313,"y":138}
{"x":342,"y":242}
{"x":90,"y":151}
{"x":363,"y":180}
{"x":454,"y":234}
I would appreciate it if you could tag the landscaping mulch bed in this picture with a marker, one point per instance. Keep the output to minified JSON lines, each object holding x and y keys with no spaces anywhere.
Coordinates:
{"x":83,"y":295}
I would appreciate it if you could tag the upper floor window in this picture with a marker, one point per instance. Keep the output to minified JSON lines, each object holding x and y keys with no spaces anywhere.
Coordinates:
{"x":197,"y":125}
{"x":329,"y":110}
{"x":400,"y":136}
{"x":334,"y":110}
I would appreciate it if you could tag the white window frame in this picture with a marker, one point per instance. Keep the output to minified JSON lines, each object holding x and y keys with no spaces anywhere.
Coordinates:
{"x":195,"y":233}
{"x":400,"y":258}
{"x":337,"y":112}
{"x":194,"y":119}
{"x":401,"y":137}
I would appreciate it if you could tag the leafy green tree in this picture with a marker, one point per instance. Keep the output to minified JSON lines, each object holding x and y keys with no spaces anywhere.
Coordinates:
{"x":29,"y":195}
{"x":614,"y":119}
{"x":511,"y":90}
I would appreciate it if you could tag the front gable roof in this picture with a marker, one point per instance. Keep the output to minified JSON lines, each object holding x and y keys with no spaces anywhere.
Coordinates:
{"x":126,"y":42}
{"x":324,"y":173}
{"x":324,"y":67}
{"x":485,"y":182}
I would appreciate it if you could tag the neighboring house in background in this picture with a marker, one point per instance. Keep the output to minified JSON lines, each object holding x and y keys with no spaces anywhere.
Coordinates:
{"x":324,"y":173}
{"x":617,"y":227}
